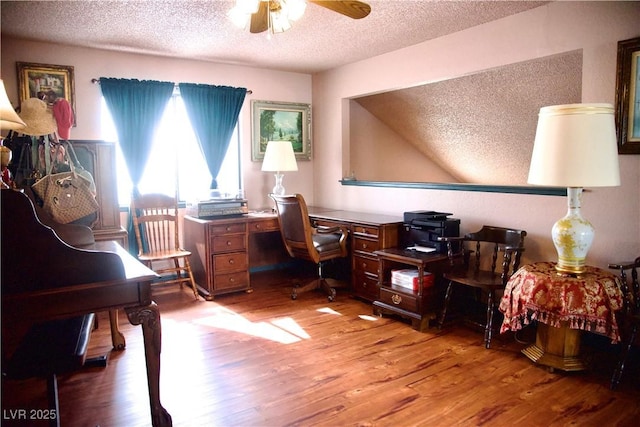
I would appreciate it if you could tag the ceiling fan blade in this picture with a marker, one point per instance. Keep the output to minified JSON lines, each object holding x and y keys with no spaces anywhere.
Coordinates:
{"x":351,"y":8}
{"x":260,"y":19}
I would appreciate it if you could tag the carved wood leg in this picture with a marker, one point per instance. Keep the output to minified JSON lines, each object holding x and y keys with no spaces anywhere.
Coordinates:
{"x":447,"y":297}
{"x":117,"y":338}
{"x":149,"y":318}
{"x":488,"y":331}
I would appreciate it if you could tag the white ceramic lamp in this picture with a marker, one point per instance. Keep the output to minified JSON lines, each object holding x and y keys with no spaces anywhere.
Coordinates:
{"x":279,"y":157}
{"x":575,"y":147}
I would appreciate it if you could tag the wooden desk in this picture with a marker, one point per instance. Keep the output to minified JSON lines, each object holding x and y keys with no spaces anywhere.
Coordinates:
{"x":563,"y":305}
{"x":223,"y":250}
{"x":418,"y":305}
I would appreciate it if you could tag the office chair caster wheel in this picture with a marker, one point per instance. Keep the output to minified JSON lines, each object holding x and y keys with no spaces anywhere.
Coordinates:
{"x":294,"y":296}
{"x":332,"y":295}
{"x":330,"y":298}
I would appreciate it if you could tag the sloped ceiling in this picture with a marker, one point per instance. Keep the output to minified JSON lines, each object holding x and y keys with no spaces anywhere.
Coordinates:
{"x":480,"y":128}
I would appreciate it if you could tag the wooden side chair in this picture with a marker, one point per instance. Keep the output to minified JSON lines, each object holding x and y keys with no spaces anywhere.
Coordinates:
{"x":155,"y":221}
{"x":302,"y":240}
{"x":496,"y":256}
{"x":631,"y":312}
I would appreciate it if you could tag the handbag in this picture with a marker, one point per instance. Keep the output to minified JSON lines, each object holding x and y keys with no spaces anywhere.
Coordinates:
{"x":66,"y":196}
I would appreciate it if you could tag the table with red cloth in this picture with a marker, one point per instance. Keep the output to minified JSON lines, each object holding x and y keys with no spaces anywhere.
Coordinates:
{"x":539,"y":292}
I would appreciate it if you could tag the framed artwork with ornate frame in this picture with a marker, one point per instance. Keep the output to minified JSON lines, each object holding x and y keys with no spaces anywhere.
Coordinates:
{"x":628,"y":96}
{"x":36,"y":78}
{"x":280,"y":121}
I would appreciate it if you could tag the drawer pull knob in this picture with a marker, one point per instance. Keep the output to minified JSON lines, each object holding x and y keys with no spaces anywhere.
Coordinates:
{"x":228,"y":243}
{"x":228,"y":228}
{"x":231,"y":280}
{"x":364,"y":285}
{"x":364,"y":246}
{"x":364,"y":265}
{"x":231,"y":261}
{"x":396,"y":299}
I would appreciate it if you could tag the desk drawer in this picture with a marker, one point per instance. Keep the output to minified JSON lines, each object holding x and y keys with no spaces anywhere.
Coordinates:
{"x":230,"y":243}
{"x":365,"y":245}
{"x":402,"y":300}
{"x":230,"y":262}
{"x":236,"y":280}
{"x":261,"y":226}
{"x":231,"y":228}
{"x":366,"y":286}
{"x":365,"y":264}
{"x":366,"y":230}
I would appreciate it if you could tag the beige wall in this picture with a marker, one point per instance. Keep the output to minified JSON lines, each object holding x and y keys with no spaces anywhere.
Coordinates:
{"x":92,"y":63}
{"x":595,"y":27}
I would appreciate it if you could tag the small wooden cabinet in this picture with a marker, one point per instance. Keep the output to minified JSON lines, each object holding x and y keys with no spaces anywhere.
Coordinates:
{"x":99,"y":158}
{"x":219,"y":256}
{"x":420,"y":305}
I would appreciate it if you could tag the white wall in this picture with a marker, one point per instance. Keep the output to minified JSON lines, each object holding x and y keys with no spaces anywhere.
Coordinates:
{"x":91,"y":63}
{"x":595,"y":27}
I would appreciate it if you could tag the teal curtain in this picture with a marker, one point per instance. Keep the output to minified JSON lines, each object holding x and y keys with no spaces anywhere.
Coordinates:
{"x":136,"y":108}
{"x":213,"y":112}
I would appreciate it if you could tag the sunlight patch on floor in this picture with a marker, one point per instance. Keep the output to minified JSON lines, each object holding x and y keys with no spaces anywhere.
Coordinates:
{"x":328,"y":311}
{"x":368,"y":317}
{"x":283,"y":330}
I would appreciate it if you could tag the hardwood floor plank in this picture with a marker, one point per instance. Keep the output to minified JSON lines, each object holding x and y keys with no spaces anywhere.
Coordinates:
{"x":261,"y":359}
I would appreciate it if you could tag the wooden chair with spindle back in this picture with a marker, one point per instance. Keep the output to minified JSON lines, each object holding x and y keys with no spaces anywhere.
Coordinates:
{"x":631,"y":312}
{"x":155,"y":221}
{"x":497,"y":253}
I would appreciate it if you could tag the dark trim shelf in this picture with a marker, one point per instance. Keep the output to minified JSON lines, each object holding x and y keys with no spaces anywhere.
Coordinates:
{"x":516,"y":189}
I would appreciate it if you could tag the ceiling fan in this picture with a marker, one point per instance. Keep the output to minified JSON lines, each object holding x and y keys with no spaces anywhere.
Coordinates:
{"x":275,"y":15}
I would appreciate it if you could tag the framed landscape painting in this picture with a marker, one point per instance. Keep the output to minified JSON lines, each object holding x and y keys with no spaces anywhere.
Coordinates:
{"x":280,"y":121}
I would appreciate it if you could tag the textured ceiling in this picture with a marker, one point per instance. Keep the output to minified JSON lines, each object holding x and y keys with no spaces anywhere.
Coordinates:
{"x":320,"y":40}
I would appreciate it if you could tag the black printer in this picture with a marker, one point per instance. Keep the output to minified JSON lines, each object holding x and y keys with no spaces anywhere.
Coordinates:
{"x":422,"y":228}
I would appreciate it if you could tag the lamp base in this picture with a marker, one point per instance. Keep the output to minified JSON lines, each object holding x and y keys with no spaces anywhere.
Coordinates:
{"x":572,"y":236}
{"x":278,"y":189}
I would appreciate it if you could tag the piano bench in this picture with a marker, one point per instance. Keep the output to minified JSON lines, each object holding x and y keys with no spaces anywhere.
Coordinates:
{"x":51,"y":348}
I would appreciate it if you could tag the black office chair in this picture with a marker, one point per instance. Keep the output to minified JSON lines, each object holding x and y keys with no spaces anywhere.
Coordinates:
{"x":302,"y":240}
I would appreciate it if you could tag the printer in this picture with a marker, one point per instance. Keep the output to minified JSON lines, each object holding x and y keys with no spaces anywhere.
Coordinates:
{"x":422,"y":229}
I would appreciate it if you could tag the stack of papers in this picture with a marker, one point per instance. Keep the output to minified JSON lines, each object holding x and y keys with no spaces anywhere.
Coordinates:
{"x":408,"y":278}
{"x":418,"y":248}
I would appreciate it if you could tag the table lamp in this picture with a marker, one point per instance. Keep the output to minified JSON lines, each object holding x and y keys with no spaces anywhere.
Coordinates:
{"x":279,"y":157}
{"x":9,"y":120}
{"x":575,"y":147}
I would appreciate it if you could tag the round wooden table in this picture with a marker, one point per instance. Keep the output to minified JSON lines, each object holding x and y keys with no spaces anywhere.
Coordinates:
{"x":563,"y":305}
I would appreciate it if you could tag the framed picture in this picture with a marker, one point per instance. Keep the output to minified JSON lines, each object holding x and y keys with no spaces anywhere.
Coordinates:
{"x":35,"y":79}
{"x":280,"y":121}
{"x":628,"y":96}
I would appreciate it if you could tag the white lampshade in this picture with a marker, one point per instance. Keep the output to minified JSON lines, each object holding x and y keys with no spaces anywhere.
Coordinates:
{"x":9,"y":119}
{"x":575,"y":146}
{"x":279,"y":157}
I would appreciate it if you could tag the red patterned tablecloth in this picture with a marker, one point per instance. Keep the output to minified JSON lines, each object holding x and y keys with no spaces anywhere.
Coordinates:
{"x":538,"y":292}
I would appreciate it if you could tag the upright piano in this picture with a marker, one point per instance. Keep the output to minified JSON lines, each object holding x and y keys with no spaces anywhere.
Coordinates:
{"x":44,"y":278}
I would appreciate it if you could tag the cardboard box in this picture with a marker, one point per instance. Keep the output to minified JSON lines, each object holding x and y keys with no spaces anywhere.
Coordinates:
{"x":408,"y":278}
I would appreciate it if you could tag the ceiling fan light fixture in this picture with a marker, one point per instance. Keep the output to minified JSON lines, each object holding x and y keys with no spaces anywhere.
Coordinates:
{"x":248,"y":6}
{"x":295,"y":8}
{"x":239,"y":18}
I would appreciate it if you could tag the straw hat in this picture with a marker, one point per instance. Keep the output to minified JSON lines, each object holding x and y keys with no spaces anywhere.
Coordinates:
{"x":38,"y":118}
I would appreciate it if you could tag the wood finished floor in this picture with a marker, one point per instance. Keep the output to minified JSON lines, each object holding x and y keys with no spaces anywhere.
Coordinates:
{"x":261,"y":359}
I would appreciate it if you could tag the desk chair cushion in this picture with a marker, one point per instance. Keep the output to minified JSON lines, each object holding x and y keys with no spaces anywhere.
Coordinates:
{"x":52,"y":347}
{"x":326,"y":242}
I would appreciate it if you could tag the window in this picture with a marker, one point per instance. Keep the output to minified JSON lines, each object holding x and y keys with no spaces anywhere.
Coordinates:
{"x":176,"y":159}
